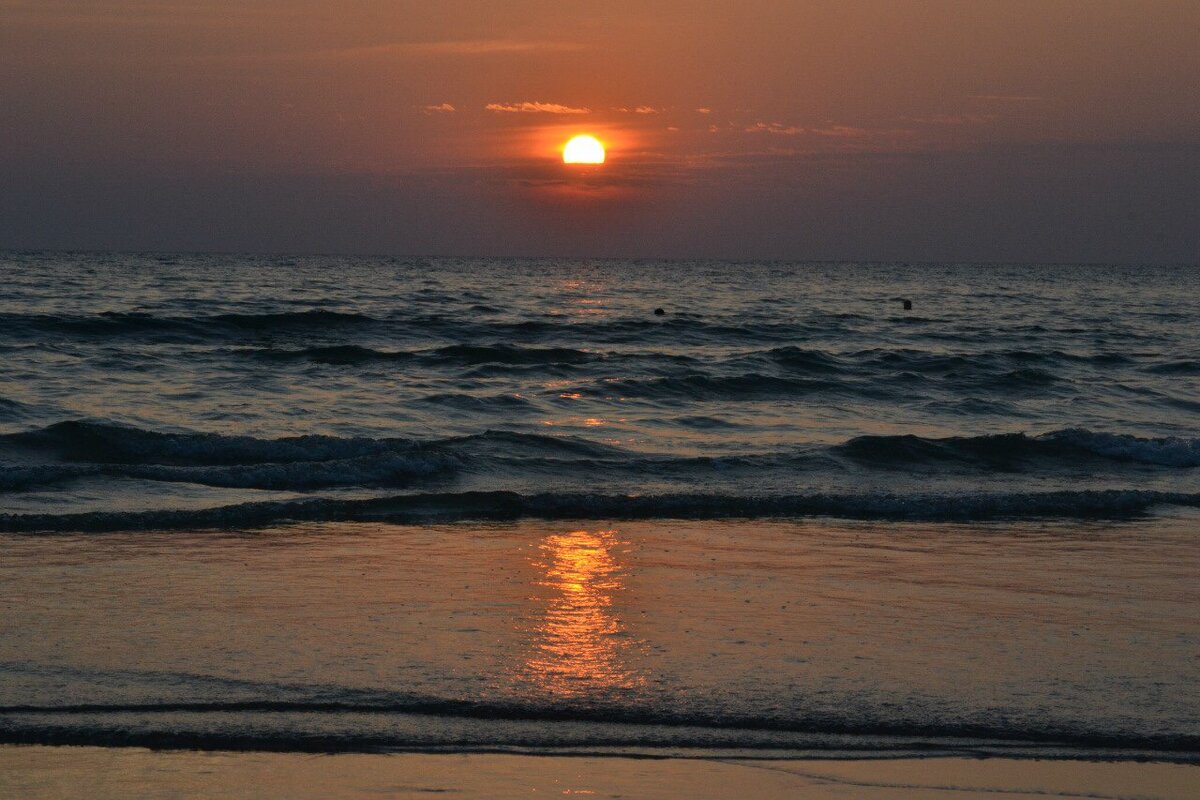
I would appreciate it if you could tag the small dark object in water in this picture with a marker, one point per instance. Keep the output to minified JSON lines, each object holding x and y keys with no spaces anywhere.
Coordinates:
{"x":908,"y":305}
{"x":658,"y":312}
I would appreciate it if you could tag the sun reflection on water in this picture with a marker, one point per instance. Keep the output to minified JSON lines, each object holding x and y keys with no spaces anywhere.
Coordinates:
{"x":580,"y":642}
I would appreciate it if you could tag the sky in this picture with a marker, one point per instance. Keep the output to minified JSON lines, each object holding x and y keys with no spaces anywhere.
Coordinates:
{"x":916,"y":130}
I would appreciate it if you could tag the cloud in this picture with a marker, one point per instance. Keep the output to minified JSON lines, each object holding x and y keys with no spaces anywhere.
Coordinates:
{"x":386,"y":51}
{"x":640,"y":110}
{"x":703,"y":110}
{"x":953,"y":119}
{"x":442,"y":108}
{"x":535,"y":108}
{"x":458,"y":47}
{"x":455,"y":48}
{"x":64,"y":13}
{"x":848,"y":132}
{"x":776,"y":128}
{"x":829,"y":131}
{"x":1007,"y":98}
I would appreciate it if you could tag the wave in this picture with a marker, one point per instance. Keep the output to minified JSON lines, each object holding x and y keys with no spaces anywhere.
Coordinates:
{"x":810,"y":375}
{"x":80,"y":449}
{"x":929,"y":361}
{"x":806,"y":360}
{"x":1181,"y":367}
{"x":317,"y":318}
{"x":462,"y":327}
{"x":388,"y":469}
{"x":1164,"y":451}
{"x":85,"y":440}
{"x":1024,"y":366}
{"x":1015,"y":451}
{"x":510,"y":354}
{"x":475,"y":403}
{"x":96,"y":449}
{"x":532,"y":444}
{"x":1020,"y":368}
{"x":81,"y":440}
{"x":288,"y":726}
{"x":459,"y":355}
{"x":333,"y":354}
{"x":93,"y":449}
{"x":679,"y":326}
{"x":701,"y":386}
{"x":111,"y":323}
{"x":12,"y":410}
{"x":396,"y":722}
{"x":507,"y":505}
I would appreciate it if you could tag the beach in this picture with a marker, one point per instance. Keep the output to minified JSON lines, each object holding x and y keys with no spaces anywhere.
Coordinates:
{"x":102,"y":773}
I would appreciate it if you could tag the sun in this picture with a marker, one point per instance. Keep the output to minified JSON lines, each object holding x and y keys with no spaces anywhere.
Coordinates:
{"x":583,"y":150}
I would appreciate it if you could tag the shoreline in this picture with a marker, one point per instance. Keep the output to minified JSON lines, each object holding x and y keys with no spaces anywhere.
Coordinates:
{"x":162,"y":742}
{"x":40,"y":771}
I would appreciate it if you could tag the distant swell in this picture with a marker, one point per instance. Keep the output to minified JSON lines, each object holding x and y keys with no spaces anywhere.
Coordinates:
{"x":459,"y":355}
{"x":333,"y":354}
{"x":700,"y":386}
{"x":133,"y":324}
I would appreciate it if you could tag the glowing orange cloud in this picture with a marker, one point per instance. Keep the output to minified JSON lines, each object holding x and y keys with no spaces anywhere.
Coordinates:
{"x":535,"y":108}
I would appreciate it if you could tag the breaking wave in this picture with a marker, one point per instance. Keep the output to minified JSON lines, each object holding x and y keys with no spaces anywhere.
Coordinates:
{"x":507,"y":505}
{"x":449,"y":726}
{"x":79,"y":449}
{"x":1014,"y":450}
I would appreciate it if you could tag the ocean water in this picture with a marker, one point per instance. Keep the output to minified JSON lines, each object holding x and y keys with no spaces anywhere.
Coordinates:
{"x":380,"y":503}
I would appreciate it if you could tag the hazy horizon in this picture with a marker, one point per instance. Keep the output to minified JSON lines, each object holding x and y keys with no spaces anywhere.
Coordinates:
{"x":368,"y":255}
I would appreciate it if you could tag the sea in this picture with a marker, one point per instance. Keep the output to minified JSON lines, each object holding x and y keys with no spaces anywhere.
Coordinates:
{"x":654,"y":508}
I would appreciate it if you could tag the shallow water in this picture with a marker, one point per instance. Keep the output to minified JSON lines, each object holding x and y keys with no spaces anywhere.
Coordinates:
{"x":326,"y":503}
{"x":768,"y":638}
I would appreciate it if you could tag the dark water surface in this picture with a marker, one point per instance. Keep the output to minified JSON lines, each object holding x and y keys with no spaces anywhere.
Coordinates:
{"x":357,"y":503}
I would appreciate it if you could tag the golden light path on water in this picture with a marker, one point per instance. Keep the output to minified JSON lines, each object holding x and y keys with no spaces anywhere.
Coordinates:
{"x":579,"y":641}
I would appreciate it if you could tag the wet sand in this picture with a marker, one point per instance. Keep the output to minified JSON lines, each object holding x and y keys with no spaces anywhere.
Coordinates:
{"x":98,"y":773}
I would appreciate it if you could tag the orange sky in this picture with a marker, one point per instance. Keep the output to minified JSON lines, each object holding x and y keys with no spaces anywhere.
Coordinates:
{"x":806,"y":111}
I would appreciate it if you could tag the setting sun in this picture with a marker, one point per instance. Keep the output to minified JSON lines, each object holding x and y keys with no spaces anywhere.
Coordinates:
{"x":583,"y":150}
